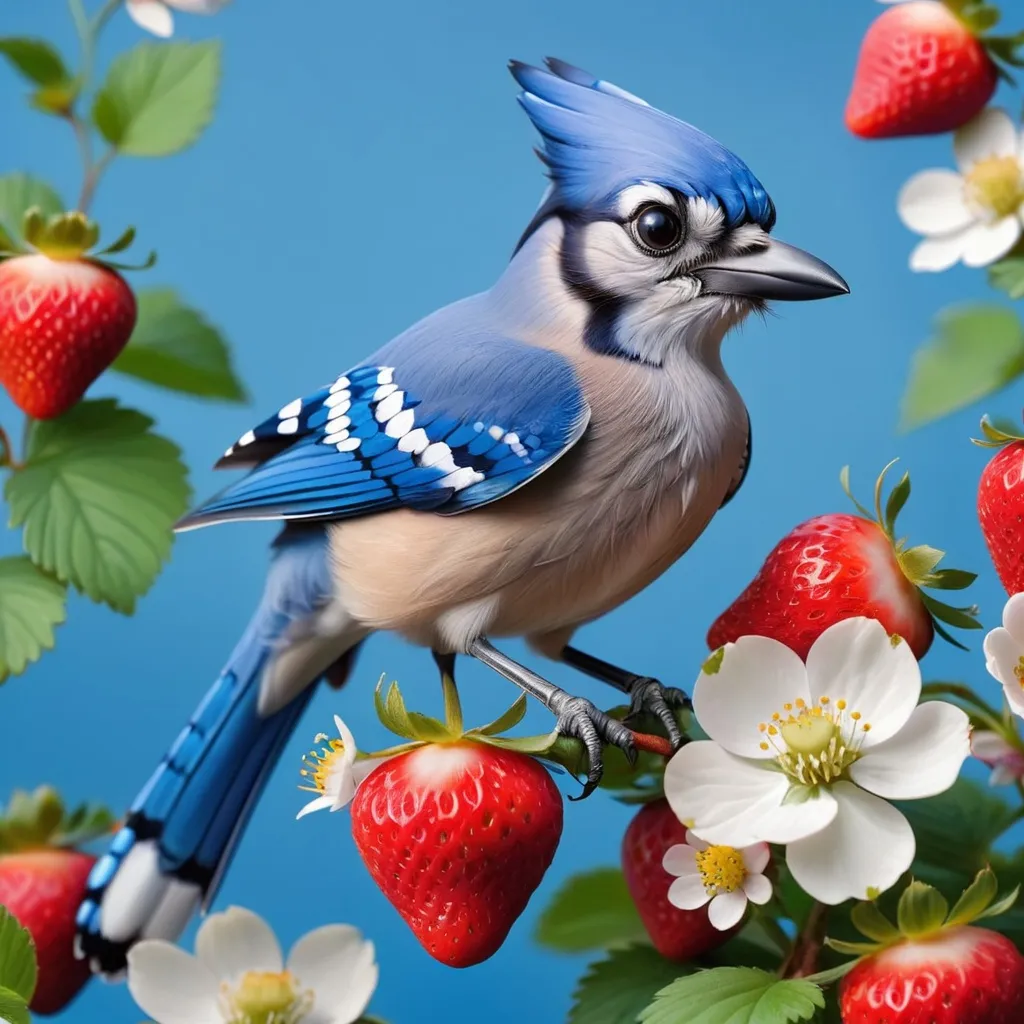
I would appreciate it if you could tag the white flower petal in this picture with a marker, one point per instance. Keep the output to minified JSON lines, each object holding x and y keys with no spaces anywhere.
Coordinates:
{"x":1002,"y":659}
{"x":692,"y":839}
{"x":855,"y":661}
{"x":171,"y":986}
{"x":758,"y":889}
{"x":725,"y":911}
{"x":338,"y":964}
{"x":937,"y":254}
{"x":236,"y":941}
{"x":923,"y":759}
{"x":986,"y":243}
{"x":756,"y":857}
{"x":1013,"y":618}
{"x":757,"y":675}
{"x":680,"y":860}
{"x":933,"y":203}
{"x":688,"y":893}
{"x":734,"y":802}
{"x":868,"y":846}
{"x":153,"y":16}
{"x":991,"y":133}
{"x":320,"y":803}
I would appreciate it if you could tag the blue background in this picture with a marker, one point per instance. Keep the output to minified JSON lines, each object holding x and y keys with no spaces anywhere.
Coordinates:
{"x":368,"y":164}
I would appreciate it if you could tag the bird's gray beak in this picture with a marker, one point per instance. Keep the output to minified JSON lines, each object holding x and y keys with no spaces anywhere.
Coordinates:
{"x":778,"y":271}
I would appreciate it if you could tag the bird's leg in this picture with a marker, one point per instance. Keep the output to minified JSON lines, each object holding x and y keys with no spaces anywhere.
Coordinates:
{"x":575,"y":716}
{"x":645,"y":693}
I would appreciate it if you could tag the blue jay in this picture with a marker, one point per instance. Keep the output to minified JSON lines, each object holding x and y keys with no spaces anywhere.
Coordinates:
{"x":516,"y":464}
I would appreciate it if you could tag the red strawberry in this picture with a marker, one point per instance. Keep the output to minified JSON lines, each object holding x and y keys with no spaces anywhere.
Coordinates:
{"x":1001,"y":505}
{"x":42,"y":889}
{"x":922,"y":70}
{"x":960,"y":976}
{"x":676,"y":934}
{"x":458,"y":836}
{"x":42,"y":882}
{"x":838,"y":566}
{"x":62,"y":323}
{"x":64,"y":316}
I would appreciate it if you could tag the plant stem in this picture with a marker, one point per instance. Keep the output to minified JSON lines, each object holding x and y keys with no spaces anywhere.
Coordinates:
{"x":88,"y":33}
{"x":7,"y":456}
{"x":803,"y":957}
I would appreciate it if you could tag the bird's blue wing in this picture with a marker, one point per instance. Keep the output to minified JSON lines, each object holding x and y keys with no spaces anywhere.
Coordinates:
{"x":426,"y":427}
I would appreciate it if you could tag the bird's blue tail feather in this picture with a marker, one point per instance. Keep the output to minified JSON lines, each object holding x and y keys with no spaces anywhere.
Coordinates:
{"x":183,"y":827}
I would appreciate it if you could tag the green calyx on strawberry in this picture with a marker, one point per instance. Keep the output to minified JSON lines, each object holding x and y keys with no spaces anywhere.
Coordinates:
{"x":43,"y":878}
{"x":68,"y":236}
{"x":39,"y":821}
{"x":920,"y":563}
{"x":923,"y":913}
{"x":419,"y":730}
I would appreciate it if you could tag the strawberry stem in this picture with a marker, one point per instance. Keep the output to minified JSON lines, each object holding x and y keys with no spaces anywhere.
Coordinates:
{"x":803,"y":957}
{"x":7,"y":456}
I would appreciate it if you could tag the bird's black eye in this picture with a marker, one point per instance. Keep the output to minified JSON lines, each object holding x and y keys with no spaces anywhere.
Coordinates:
{"x":658,"y":228}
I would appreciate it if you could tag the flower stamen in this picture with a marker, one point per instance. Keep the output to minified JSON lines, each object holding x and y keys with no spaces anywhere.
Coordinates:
{"x":721,"y":868}
{"x":265,"y":997}
{"x":818,"y":743}
{"x":319,"y":762}
{"x":997,"y":186}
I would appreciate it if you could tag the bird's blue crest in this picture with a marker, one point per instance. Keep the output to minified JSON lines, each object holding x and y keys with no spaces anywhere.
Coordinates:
{"x":599,"y":139}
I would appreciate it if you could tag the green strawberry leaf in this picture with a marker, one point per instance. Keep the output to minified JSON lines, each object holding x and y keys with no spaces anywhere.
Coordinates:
{"x":13,"y":1009}
{"x":975,"y":899}
{"x":17,"y":957}
{"x":951,"y":579}
{"x":590,"y":911}
{"x":174,"y":347}
{"x":18,"y":194}
{"x":734,"y":995}
{"x":977,"y":351}
{"x":616,"y":989}
{"x":954,"y":833}
{"x":1008,"y":276}
{"x":35,"y":59}
{"x":158,"y":97}
{"x":869,"y":920}
{"x":922,"y":910}
{"x":97,"y":497}
{"x":31,"y":605}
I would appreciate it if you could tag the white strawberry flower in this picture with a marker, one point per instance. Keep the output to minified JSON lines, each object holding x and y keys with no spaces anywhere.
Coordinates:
{"x":239,"y":974}
{"x":807,"y":756}
{"x":1004,"y":653}
{"x":156,"y":15}
{"x":334,"y":772}
{"x":974,"y":215}
{"x":721,"y":876}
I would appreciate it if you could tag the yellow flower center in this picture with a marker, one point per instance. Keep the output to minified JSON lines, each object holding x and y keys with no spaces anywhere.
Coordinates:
{"x":319,"y":762}
{"x":1018,"y":671}
{"x":265,"y":997}
{"x":997,"y":185}
{"x":721,"y":869}
{"x":815,"y":745}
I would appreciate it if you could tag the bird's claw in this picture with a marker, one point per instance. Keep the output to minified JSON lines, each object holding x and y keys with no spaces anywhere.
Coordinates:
{"x":586,"y":722}
{"x":648,"y":695}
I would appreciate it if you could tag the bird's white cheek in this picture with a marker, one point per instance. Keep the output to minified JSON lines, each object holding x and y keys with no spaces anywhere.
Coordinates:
{"x":611,"y":261}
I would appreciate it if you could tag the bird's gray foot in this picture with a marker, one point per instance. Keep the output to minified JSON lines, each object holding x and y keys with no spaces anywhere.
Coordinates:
{"x":586,"y":722}
{"x":647,"y":695}
{"x":575,"y":716}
